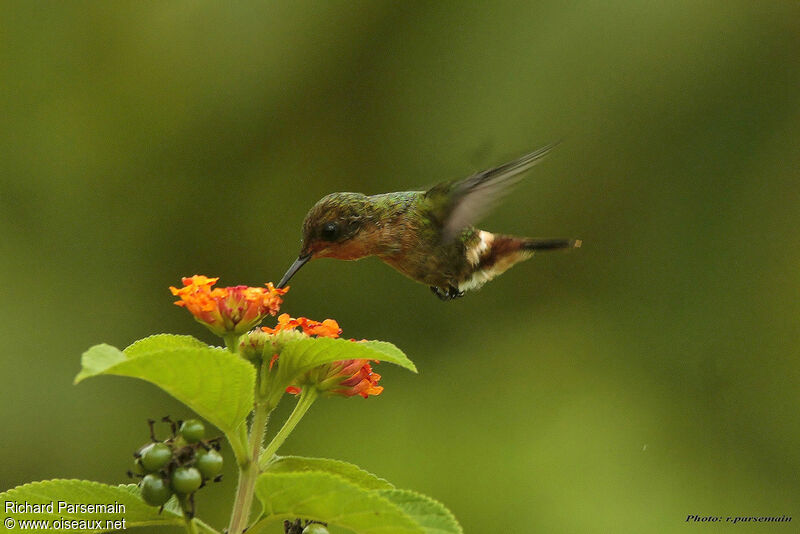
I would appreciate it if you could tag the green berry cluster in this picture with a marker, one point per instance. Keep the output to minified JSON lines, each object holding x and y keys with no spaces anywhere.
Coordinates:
{"x":179,"y":465}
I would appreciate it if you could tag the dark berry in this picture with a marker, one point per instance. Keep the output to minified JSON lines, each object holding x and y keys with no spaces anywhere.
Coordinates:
{"x":209,"y":463}
{"x":186,"y":480}
{"x":155,"y":491}
{"x":155,"y":456}
{"x":193,"y":430}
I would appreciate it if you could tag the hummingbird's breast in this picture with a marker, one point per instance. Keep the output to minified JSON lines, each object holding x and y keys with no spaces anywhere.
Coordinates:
{"x":426,"y":258}
{"x":406,"y":236}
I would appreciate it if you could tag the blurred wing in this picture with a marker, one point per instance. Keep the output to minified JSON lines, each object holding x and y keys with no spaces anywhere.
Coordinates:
{"x":467,"y":201}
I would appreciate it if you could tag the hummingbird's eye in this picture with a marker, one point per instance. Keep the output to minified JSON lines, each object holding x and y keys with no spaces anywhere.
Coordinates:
{"x":329,"y":231}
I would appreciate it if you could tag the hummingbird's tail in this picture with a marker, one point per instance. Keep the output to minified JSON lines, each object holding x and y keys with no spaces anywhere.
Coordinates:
{"x":493,"y":254}
{"x":550,"y":244}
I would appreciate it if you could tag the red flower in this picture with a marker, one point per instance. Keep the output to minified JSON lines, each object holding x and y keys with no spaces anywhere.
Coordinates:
{"x":344,"y":377}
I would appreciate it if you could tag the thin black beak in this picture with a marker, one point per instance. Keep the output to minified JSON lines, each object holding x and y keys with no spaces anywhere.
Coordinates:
{"x":299,"y":262}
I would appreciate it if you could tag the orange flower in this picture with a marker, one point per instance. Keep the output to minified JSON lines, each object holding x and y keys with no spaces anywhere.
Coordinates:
{"x":227,"y":310}
{"x":326,"y":328}
{"x":285,"y":322}
{"x":254,"y":344}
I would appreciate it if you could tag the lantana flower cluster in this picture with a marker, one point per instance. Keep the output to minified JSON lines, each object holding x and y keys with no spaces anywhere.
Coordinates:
{"x":227,"y":310}
{"x":344,"y":377}
{"x":234,"y":311}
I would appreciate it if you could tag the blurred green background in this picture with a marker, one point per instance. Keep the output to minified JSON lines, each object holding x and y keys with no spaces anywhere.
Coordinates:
{"x":650,"y":375}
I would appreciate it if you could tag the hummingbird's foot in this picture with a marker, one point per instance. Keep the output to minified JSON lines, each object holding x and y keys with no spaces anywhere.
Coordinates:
{"x":447,"y":294}
{"x":454,"y":293}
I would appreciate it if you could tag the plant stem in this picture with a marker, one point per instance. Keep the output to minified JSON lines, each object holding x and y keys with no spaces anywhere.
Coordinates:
{"x":307,"y":398}
{"x":232,"y":342}
{"x":248,"y":459}
{"x":248,"y":473}
{"x":238,"y":443}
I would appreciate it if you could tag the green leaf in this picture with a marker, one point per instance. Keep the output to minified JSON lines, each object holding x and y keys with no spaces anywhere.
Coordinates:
{"x":332,"y":499}
{"x":98,"y":358}
{"x":390,"y":353}
{"x":431,"y":515}
{"x":214,"y":382}
{"x":62,"y":493}
{"x":351,"y":473}
{"x":302,"y":355}
{"x":162,"y":342}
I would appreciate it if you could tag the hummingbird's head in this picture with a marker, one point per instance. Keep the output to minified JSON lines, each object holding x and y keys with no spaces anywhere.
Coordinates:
{"x":332,"y":229}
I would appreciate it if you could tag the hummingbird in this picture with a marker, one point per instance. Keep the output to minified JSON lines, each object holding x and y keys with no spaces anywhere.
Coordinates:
{"x":426,"y":235}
